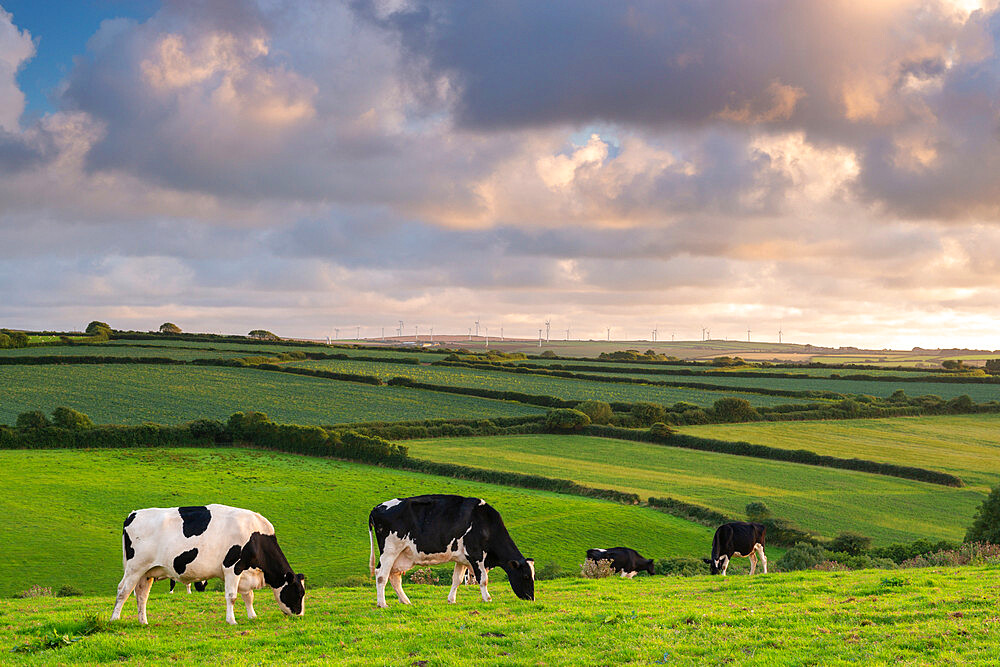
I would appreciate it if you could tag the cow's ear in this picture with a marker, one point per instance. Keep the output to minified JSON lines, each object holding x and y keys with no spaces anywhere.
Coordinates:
{"x":706,"y":561}
{"x":289,"y":577}
{"x":300,"y":577}
{"x":529,"y":560}
{"x":514,"y":564}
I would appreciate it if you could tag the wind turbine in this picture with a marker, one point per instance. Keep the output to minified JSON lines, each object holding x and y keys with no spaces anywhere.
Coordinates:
{"x":336,"y":333}
{"x":779,"y":334}
{"x":748,"y":334}
{"x":477,"y":328}
{"x":539,"y":338}
{"x":359,"y":334}
{"x":401,"y":328}
{"x":548,"y":323}
{"x":609,"y":334}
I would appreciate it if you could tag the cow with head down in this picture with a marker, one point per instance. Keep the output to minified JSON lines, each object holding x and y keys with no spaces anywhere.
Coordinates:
{"x":190,"y":544}
{"x":738,"y":538}
{"x":426,"y":530}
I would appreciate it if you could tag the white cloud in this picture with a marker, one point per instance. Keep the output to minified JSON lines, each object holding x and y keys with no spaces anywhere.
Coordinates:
{"x":16,"y":48}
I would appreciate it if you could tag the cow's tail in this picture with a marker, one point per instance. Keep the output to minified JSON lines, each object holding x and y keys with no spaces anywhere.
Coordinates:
{"x":372,"y":559}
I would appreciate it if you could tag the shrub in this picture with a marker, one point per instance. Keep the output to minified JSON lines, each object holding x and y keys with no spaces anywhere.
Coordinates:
{"x":31,"y":420}
{"x":596,"y":569}
{"x":548,"y":354}
{"x":971,"y":553}
{"x":71,"y":419}
{"x":68,"y":591}
{"x":598,"y":411}
{"x":169,"y":328}
{"x":757,"y":512}
{"x":961,"y":404}
{"x":566,"y":419}
{"x":986,"y":522}
{"x":661,"y":430}
{"x":648,"y":413}
{"x":423,"y":575}
{"x":850,"y":543}
{"x":680,"y":567}
{"x":96,"y":328}
{"x":802,"y":556}
{"x":732,"y":409}
{"x":35,"y":591}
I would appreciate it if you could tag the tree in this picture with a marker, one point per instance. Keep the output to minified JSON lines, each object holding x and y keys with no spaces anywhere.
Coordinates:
{"x":71,"y":419}
{"x":986,"y":523}
{"x":661,"y":430}
{"x":952,"y":364}
{"x":95,"y":328}
{"x":30,"y":420}
{"x":851,"y":543}
{"x":757,"y":512}
{"x":598,"y":411}
{"x":169,"y":328}
{"x":566,"y":419}
{"x":732,"y":409}
{"x":647,"y":413}
{"x":262,"y":334}
{"x":993,"y":366}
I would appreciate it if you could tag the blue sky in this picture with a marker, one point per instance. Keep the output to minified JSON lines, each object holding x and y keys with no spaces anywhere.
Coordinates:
{"x":306,"y":165}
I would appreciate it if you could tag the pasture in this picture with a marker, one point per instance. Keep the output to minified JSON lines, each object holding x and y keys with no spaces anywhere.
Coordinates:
{"x":824,"y":500}
{"x":64,"y":511}
{"x":938,"y":616}
{"x":136,"y":393}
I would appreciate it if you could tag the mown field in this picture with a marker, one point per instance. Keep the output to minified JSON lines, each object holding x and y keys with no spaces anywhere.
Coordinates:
{"x":825,"y":500}
{"x":930,"y":617}
{"x":133,"y":394}
{"x":539,"y":385}
{"x":965,"y":445}
{"x":106,"y":350}
{"x":64,"y":510}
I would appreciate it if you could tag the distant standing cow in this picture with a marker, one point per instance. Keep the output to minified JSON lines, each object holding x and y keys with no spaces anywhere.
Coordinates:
{"x":190,"y":544}
{"x":624,"y":560}
{"x":199,"y":586}
{"x":737,"y":539}
{"x":427,"y":530}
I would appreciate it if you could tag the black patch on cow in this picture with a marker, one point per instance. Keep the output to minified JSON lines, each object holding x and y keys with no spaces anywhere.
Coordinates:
{"x":182,"y":561}
{"x":129,"y":519}
{"x":129,"y":551}
{"x":200,"y":586}
{"x":291,"y":596}
{"x":196,"y":519}
{"x":232,"y":556}
{"x":622,"y":559}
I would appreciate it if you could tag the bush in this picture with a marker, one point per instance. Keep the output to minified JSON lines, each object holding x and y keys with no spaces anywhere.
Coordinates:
{"x":732,"y":409}
{"x":648,"y":414}
{"x":850,"y":543}
{"x":596,"y":569}
{"x":566,"y":419}
{"x":661,"y":430}
{"x":170,"y":328}
{"x":598,"y":411}
{"x":71,"y":419}
{"x":31,"y":420}
{"x":423,"y":575}
{"x":68,"y":591}
{"x":680,"y":567}
{"x":971,"y":553}
{"x":801,"y":557}
{"x":35,"y":591}
{"x":986,"y":522}
{"x":757,"y":512}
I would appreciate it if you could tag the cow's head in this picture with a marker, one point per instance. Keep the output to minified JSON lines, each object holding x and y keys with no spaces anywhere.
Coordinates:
{"x":521,"y":574}
{"x":715,"y":566}
{"x":291,"y":594}
{"x":650,"y":567}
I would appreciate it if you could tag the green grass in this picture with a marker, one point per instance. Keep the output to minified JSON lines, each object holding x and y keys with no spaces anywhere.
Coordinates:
{"x":965,"y":445}
{"x":64,"y":509}
{"x":539,"y":385}
{"x":105,"y":350}
{"x":937,"y":617}
{"x":825,"y":500}
{"x":133,"y":394}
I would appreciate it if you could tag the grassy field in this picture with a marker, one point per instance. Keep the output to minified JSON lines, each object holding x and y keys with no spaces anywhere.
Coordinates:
{"x":825,"y":500}
{"x":965,"y":445}
{"x":537,"y":384}
{"x":133,"y":394}
{"x":64,"y":510}
{"x":105,"y":350}
{"x":927,"y":617}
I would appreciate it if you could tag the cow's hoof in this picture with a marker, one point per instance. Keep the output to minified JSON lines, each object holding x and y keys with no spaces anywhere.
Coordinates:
{"x":382,"y":605}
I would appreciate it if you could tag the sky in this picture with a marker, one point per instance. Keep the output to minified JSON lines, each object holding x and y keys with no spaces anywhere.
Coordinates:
{"x":828,"y":168}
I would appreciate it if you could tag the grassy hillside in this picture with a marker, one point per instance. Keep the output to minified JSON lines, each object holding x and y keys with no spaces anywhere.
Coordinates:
{"x":132,"y":394}
{"x":965,"y":445}
{"x":822,"y":499}
{"x":538,"y":384}
{"x":64,"y":509}
{"x":942,"y":616}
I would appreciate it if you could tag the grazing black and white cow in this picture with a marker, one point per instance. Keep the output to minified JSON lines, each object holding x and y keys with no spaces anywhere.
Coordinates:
{"x":199,"y":586}
{"x":188,"y":544}
{"x":426,"y":530}
{"x":624,"y":560}
{"x":737,"y":539}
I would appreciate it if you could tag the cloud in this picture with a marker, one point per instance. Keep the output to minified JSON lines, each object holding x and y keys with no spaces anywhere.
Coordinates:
{"x":16,"y":48}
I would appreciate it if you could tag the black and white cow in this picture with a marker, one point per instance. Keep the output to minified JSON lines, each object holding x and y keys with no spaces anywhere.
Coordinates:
{"x":426,"y":530}
{"x":190,"y":544}
{"x":737,"y":539}
{"x":199,"y":586}
{"x":624,"y":560}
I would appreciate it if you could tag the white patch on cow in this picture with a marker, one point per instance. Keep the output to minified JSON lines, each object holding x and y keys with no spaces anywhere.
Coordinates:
{"x":391,"y":503}
{"x":600,"y":550}
{"x":531,"y":564}
{"x":482,"y":502}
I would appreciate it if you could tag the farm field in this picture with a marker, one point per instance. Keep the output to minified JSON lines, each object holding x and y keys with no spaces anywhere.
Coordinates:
{"x":67,"y":506}
{"x":709,"y":371}
{"x":965,"y":445}
{"x":537,"y":384}
{"x":978,"y":392}
{"x":824,"y":500}
{"x":931,"y":617}
{"x":253,"y":348}
{"x":105,"y":350}
{"x":135,"y":393}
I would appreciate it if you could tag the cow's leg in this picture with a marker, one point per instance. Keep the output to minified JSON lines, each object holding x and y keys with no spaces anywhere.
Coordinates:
{"x":189,"y":589}
{"x":456,"y":581}
{"x":753,"y":562}
{"x":125,"y":588}
{"x":232,"y":592}
{"x":396,"y":579}
{"x":141,"y":596}
{"x":248,"y":601}
{"x":385,"y":563}
{"x":172,"y":584}
{"x":763,"y":558}
{"x":725,"y":566}
{"x":632,"y":574}
{"x":478,"y":562}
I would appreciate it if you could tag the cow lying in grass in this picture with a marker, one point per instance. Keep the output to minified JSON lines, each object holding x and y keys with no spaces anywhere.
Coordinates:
{"x":426,"y":530}
{"x":624,"y":560}
{"x":189,"y":544}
